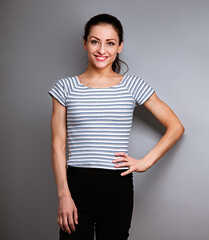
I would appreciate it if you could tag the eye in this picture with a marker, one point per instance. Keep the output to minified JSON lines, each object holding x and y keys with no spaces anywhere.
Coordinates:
{"x":111,"y":43}
{"x":93,"y":41}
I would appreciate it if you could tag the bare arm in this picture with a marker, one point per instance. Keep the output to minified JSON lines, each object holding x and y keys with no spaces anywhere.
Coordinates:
{"x":58,"y":132}
{"x":174,"y":128}
{"x":67,"y":212}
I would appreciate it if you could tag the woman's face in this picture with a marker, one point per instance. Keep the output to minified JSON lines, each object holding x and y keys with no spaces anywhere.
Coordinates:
{"x":102,"y":45}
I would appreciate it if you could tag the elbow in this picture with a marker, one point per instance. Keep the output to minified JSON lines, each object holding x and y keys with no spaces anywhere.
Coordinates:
{"x":183,"y":129}
{"x":176,"y":130}
{"x":58,"y":146}
{"x":179,"y":130}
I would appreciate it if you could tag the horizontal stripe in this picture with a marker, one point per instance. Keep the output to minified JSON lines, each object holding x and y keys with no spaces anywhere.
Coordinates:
{"x":99,"y":120}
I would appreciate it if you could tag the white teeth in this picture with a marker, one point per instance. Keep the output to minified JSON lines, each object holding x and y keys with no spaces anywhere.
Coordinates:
{"x":102,"y":58}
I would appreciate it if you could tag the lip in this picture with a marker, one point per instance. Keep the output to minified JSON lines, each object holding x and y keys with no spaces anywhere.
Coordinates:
{"x":105,"y":57}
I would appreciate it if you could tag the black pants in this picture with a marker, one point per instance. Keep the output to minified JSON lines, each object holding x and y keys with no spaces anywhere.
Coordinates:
{"x":104,"y":200}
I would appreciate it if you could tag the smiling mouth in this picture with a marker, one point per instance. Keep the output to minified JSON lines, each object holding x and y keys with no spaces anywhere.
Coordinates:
{"x":101,"y":57}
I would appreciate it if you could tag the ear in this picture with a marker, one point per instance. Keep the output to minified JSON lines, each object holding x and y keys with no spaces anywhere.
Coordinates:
{"x":120,"y":47}
{"x":84,"y":44}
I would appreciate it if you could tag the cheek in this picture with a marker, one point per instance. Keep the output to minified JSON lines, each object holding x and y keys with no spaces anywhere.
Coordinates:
{"x":112,"y":50}
{"x":91,"y":49}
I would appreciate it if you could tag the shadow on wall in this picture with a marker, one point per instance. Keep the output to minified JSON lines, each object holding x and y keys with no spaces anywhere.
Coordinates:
{"x":148,"y":119}
{"x":148,"y":180}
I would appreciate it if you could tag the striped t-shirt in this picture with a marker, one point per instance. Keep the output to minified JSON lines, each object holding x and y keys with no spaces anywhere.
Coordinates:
{"x":99,"y":120}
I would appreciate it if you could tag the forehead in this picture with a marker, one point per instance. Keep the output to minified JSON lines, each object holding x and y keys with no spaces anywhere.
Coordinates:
{"x":103,"y":31}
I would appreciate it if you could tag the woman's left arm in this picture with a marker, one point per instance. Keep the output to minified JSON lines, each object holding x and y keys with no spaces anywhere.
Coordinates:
{"x":174,"y":128}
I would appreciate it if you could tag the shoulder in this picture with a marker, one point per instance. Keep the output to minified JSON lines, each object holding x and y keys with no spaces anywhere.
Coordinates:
{"x":65,"y":84}
{"x":133,"y":78}
{"x":134,"y":81}
{"x":68,"y":82}
{"x":139,"y":88}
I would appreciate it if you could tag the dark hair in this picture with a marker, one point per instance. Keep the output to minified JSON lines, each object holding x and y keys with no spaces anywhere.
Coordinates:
{"x":107,"y":19}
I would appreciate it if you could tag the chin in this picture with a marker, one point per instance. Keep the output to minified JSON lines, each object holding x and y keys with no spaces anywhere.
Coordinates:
{"x":101,"y":64}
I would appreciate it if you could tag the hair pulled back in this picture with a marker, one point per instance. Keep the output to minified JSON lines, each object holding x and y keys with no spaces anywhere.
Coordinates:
{"x":107,"y":19}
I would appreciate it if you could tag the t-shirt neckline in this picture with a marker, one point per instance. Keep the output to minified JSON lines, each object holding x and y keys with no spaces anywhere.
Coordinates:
{"x":78,"y":81}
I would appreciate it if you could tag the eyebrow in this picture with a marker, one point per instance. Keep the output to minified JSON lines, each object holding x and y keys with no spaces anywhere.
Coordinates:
{"x":106,"y":39}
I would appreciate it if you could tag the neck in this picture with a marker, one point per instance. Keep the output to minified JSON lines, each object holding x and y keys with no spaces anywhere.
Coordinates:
{"x":91,"y":71}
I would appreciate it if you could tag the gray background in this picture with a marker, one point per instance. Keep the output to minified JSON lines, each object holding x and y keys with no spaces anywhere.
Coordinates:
{"x":166,"y":43}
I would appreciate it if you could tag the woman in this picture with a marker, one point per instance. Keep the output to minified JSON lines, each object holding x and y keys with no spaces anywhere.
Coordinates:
{"x":93,"y":113}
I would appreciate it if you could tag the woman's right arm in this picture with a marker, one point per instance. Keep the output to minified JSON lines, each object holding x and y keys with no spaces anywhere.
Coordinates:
{"x":67,"y":211}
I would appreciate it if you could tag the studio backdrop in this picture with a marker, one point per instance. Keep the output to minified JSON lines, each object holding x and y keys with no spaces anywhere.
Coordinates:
{"x":165,"y":43}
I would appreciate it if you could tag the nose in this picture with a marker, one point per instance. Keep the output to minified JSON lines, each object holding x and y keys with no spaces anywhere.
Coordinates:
{"x":101,"y":49}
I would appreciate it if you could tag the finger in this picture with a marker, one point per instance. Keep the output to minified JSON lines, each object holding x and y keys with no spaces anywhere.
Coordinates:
{"x":75,"y":215}
{"x":126,"y":172}
{"x":60,"y":223}
{"x":120,"y":154}
{"x":65,"y":225}
{"x":71,"y":222}
{"x":119,"y":159}
{"x":125,"y":164}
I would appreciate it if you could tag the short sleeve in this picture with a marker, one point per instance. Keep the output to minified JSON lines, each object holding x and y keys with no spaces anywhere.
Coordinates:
{"x":142,"y":90}
{"x":59,"y":91}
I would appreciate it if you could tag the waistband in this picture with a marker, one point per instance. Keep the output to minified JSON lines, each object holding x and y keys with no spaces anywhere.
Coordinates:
{"x":101,"y":171}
